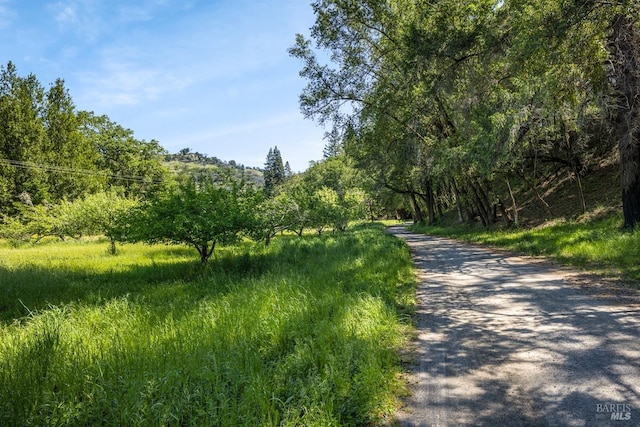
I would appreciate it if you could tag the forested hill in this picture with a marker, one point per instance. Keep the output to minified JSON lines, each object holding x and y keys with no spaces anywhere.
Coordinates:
{"x":193,"y":162}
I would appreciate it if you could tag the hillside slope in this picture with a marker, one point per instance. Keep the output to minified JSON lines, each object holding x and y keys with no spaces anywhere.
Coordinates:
{"x":601,"y":190}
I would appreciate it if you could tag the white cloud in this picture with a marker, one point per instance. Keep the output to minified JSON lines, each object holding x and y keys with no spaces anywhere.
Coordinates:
{"x":81,"y":17}
{"x":125,"y":76}
{"x":125,"y":85}
{"x":6,"y":14}
{"x":243,"y":128}
{"x":65,"y":14}
{"x":213,"y":76}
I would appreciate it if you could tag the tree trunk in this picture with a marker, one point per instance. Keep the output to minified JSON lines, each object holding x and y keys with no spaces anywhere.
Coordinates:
{"x":418,"y":216}
{"x":575,"y":165}
{"x":431,"y":203}
{"x":440,"y":209}
{"x":503,"y":213}
{"x":483,"y":204}
{"x":205,"y":251}
{"x":514,"y":207}
{"x":583,"y":202}
{"x":458,"y":197}
{"x":429,"y":200}
{"x":625,"y":59}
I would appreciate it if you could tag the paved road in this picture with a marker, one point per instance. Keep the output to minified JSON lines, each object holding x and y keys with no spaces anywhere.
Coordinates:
{"x":511,"y":341}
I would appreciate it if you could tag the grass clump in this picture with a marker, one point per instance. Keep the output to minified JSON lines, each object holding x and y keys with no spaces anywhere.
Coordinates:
{"x":598,"y":245}
{"x":304,"y":332}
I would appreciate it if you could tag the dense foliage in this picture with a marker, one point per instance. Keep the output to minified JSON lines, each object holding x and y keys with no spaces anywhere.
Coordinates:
{"x":449,"y":103}
{"x":91,"y":215}
{"x":50,"y":152}
{"x":199,"y":213}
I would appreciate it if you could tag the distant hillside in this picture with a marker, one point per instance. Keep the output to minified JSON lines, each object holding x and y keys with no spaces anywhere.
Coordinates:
{"x":194,"y":163}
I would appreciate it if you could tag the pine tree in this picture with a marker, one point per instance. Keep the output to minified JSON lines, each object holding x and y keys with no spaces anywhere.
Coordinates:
{"x":268,"y":173}
{"x":334,"y":145}
{"x":278,"y":170}
{"x":274,"y":171}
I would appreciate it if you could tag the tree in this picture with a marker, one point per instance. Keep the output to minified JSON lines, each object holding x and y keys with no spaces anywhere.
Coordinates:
{"x":70,"y":153}
{"x":52,"y":152}
{"x":33,"y":223}
{"x":325,"y":209}
{"x":22,"y":136}
{"x":274,"y":215}
{"x":400,"y":66}
{"x":98,"y":214}
{"x":334,"y":146}
{"x":300,"y":193}
{"x":94,"y":214}
{"x":126,"y":162}
{"x":446,"y":100}
{"x":200,"y":213}
{"x":288,"y":173}
{"x":602,"y":40}
{"x":274,"y":172}
{"x":624,"y":45}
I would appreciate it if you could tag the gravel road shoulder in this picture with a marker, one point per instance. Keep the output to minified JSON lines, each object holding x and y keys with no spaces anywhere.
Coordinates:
{"x":511,"y":341}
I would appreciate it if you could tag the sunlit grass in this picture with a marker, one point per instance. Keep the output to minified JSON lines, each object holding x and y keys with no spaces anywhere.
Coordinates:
{"x":598,"y":245}
{"x":304,"y":332}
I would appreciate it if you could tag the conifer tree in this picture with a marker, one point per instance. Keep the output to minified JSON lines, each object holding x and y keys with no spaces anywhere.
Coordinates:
{"x":274,"y":171}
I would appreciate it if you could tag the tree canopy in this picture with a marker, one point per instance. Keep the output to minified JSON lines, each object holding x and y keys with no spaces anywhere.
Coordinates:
{"x":52,"y":152}
{"x":446,"y":101}
{"x":199,"y":213}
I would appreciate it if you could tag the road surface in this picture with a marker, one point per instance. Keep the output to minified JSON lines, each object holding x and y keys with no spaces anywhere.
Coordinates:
{"x":511,"y":341}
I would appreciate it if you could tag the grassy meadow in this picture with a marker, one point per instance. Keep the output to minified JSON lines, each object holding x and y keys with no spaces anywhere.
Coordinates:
{"x":597,"y":245}
{"x":303,"y":332}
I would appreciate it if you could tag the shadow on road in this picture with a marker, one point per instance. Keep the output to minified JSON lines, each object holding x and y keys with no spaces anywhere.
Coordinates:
{"x":507,"y":341}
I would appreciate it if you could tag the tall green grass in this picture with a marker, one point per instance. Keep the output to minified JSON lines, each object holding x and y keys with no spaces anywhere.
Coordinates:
{"x":599,"y":245}
{"x":304,"y":332}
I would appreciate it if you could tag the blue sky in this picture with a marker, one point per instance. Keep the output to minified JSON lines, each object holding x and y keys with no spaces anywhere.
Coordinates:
{"x":210,"y":75}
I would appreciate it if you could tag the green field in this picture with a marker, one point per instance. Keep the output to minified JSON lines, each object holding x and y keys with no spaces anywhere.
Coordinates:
{"x":303,"y":332}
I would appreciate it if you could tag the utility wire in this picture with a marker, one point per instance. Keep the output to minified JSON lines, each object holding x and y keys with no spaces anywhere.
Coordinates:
{"x":61,"y":169}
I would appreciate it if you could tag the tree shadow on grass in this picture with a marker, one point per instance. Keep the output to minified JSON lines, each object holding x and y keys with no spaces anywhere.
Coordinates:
{"x":316,"y":365}
{"x":173,"y":272}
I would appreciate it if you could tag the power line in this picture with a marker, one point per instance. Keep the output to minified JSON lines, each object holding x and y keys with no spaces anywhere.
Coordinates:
{"x":61,"y":169}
